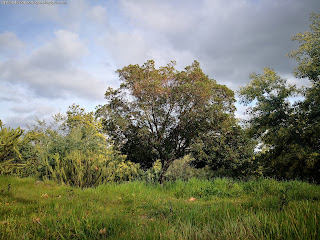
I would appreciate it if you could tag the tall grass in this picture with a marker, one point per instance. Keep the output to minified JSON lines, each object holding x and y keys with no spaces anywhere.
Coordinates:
{"x":224,"y":209}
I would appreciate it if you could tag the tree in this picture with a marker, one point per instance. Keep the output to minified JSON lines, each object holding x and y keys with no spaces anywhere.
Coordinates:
{"x":75,"y":130}
{"x":157,"y":113}
{"x":227,"y":151}
{"x":308,"y":53}
{"x":308,"y":58}
{"x":10,"y":139}
{"x":272,"y":107}
{"x":72,"y":150}
{"x":272,"y":120}
{"x":289,"y":132}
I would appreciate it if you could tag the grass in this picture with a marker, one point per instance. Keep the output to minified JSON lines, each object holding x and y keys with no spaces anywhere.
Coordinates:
{"x":224,"y":209}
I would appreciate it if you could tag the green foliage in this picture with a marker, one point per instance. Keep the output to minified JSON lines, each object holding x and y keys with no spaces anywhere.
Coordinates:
{"x":182,"y":169}
{"x":308,"y":53}
{"x":10,"y":139}
{"x":278,"y":125}
{"x":308,"y":116}
{"x":272,"y":109}
{"x":227,"y":151}
{"x":152,"y":174}
{"x":157,"y":113}
{"x":289,"y":134}
{"x":307,"y":120}
{"x":72,"y":150}
{"x":87,"y":169}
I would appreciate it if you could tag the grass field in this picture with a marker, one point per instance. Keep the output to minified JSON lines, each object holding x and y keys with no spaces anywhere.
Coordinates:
{"x":223,"y":209}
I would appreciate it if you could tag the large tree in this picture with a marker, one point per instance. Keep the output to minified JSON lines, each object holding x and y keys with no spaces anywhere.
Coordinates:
{"x":158,"y":113}
{"x":290,"y":132}
{"x":308,"y":58}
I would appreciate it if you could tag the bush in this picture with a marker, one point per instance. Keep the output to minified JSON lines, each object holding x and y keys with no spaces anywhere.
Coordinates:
{"x":181,"y":169}
{"x":10,"y":157}
{"x":86,"y":169}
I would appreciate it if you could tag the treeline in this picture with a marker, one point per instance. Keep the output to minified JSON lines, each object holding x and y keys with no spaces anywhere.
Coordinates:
{"x":167,"y":124}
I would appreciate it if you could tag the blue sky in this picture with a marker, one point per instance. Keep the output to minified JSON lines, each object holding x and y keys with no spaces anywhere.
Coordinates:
{"x":52,"y":56}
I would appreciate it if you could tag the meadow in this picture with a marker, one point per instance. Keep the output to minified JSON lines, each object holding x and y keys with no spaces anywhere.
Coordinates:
{"x":195,"y":209}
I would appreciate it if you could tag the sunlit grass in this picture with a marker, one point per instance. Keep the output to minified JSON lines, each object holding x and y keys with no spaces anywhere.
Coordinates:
{"x":224,"y":209}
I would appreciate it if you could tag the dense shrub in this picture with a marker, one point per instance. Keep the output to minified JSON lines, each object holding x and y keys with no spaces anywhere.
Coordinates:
{"x":86,"y":169}
{"x":182,"y":169}
{"x":71,"y":150}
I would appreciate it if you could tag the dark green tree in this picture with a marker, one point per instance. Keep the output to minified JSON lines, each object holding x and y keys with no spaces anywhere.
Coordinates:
{"x":308,"y":58}
{"x":272,"y":119}
{"x":158,"y":113}
{"x":290,"y":133}
{"x":227,"y":151}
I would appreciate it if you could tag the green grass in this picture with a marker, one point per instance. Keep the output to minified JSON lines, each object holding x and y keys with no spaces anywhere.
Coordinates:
{"x":260,"y":209}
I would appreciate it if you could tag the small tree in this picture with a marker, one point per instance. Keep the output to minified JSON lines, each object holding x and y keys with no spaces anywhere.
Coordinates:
{"x":157,"y":113}
{"x":10,"y":139}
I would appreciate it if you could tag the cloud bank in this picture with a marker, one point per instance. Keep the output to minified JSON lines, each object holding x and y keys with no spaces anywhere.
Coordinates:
{"x":61,"y":54}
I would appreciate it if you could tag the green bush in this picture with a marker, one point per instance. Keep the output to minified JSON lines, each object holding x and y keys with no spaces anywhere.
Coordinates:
{"x":152,"y":174}
{"x":86,"y":169}
{"x":10,"y":157}
{"x":181,"y":169}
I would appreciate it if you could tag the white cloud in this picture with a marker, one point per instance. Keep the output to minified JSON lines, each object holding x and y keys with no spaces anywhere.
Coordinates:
{"x":126,"y":47}
{"x":98,"y":14}
{"x":70,"y":16}
{"x":163,"y":56}
{"x":59,"y":53}
{"x":10,"y":44}
{"x":54,"y":69}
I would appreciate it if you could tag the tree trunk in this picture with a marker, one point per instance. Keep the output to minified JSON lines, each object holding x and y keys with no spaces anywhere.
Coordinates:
{"x":164,"y":168}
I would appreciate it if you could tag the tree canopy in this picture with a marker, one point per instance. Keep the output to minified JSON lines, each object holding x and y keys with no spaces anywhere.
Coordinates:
{"x":308,"y":53}
{"x":158,"y":113}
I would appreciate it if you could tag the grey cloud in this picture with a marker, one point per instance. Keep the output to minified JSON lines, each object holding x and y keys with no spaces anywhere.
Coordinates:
{"x":164,"y":16}
{"x":231,"y":39}
{"x":33,"y":109}
{"x":10,"y":94}
{"x":19,"y":121}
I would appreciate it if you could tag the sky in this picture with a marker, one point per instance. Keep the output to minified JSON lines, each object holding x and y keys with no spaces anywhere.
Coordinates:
{"x":54,"y":55}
